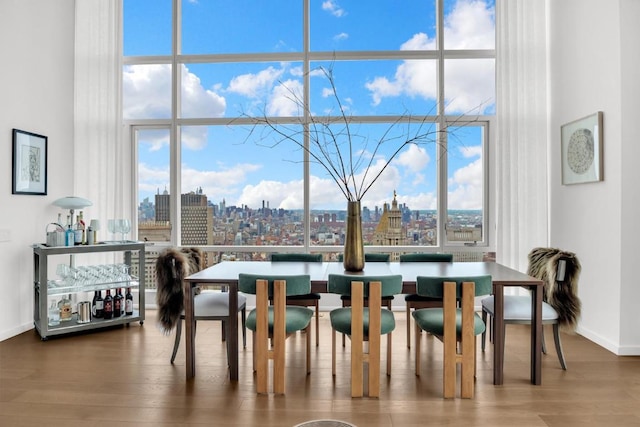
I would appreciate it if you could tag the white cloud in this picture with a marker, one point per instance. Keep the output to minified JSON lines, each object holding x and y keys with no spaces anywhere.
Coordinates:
{"x":147,"y":94}
{"x":465,"y":187}
{"x":197,"y":101}
{"x":469,"y":25}
{"x":285,"y":195}
{"x":285,"y":99}
{"x":341,"y":36}
{"x":147,"y":91}
{"x":152,"y":178}
{"x":255,"y":85}
{"x":470,"y":151}
{"x":414,"y":158}
{"x":332,"y":7}
{"x":222,"y":183}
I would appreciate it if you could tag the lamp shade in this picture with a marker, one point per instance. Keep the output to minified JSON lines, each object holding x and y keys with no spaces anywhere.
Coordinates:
{"x":72,"y":202}
{"x":95,"y":224}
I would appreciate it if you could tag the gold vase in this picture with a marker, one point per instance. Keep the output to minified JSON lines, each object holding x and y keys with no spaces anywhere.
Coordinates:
{"x":353,"y":243}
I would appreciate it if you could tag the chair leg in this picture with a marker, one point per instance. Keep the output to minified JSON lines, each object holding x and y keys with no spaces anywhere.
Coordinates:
{"x":333,"y":352}
{"x":484,"y":334}
{"x":556,"y":338}
{"x":389,"y":354}
{"x":544,"y":345}
{"x":308,"y":337}
{"x":177,"y":341}
{"x":244,"y":328}
{"x":418,"y":335}
{"x":408,"y":325}
{"x":317,"y":323}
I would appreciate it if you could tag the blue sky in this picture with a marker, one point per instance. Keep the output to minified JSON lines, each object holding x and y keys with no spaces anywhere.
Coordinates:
{"x":229,"y":164}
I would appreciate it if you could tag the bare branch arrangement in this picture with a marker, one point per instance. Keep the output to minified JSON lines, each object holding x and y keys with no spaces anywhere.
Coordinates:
{"x":331,"y":142}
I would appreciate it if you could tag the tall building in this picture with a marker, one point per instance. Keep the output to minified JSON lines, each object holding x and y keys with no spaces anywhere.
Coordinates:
{"x":390,"y":231}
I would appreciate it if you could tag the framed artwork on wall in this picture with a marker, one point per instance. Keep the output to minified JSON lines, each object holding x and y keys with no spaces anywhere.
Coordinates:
{"x":581,"y":142}
{"x":29,"y":167}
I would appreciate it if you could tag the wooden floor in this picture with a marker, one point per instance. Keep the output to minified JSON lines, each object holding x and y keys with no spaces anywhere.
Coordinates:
{"x":123,"y":377}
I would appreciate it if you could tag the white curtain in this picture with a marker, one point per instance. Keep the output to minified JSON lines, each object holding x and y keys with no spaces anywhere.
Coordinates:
{"x":102,"y":162}
{"x":522,"y":189}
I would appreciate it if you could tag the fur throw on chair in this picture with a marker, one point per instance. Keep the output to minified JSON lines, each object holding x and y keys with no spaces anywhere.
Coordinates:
{"x":172,"y":266}
{"x":561,"y":295}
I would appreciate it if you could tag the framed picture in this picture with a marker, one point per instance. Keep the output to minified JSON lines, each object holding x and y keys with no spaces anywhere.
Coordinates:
{"x":29,"y":163}
{"x":582,"y":150}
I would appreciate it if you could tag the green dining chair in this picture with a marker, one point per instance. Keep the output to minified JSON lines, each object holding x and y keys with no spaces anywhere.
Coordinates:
{"x":452,"y":325}
{"x":275,"y":322}
{"x":415,"y":301}
{"x":386,"y":300}
{"x":311,"y":299}
{"x":362,"y":324}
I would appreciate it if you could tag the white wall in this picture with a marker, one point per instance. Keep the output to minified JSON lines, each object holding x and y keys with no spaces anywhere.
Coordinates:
{"x":36,"y":83}
{"x":593,"y":66}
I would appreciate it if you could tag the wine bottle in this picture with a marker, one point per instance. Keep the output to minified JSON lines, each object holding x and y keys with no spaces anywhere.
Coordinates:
{"x":117,"y":303}
{"x":108,"y":305}
{"x":98,"y":305}
{"x":79,"y":230}
{"x":128,"y":303}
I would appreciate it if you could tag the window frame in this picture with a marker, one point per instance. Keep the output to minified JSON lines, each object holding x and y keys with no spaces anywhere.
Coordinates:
{"x":440,"y":55}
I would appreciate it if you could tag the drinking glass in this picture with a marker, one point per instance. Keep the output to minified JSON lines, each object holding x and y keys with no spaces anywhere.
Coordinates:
{"x":111,"y":226}
{"x":125,"y":227}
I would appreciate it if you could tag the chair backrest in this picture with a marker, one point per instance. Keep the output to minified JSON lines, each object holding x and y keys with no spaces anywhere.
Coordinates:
{"x":341,"y":284}
{"x":426,"y":257}
{"x":296,"y":257}
{"x":297,"y":284}
{"x":172,"y":266}
{"x":560,"y":271}
{"x":432,"y":286}
{"x":370,"y":257}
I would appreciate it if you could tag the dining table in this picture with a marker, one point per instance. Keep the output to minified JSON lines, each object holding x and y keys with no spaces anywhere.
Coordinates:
{"x":226,"y":274}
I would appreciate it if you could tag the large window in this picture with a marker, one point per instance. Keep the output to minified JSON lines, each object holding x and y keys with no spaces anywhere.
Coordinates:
{"x":205,"y":109}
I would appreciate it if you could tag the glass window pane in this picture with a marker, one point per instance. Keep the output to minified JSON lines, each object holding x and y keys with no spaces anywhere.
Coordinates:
{"x":154,"y":222}
{"x":253,"y":189}
{"x":469,"y":86}
{"x":469,"y":24}
{"x":338,"y":25}
{"x":237,"y":89}
{"x":407,"y":186}
{"x":147,"y":27}
{"x":465,"y":195}
{"x":374,"y":87}
{"x":241,"y":26}
{"x":146,"y":91}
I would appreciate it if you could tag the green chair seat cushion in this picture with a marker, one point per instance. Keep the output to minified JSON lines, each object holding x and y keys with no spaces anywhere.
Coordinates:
{"x":341,"y":321}
{"x":297,"y":318}
{"x":431,"y":320}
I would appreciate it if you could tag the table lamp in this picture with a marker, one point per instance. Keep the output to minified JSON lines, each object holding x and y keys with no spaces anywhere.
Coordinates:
{"x":72,"y":203}
{"x":95,"y":226}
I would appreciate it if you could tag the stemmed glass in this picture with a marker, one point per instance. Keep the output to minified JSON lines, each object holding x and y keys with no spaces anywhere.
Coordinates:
{"x":125,"y":227}
{"x":111,"y":226}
